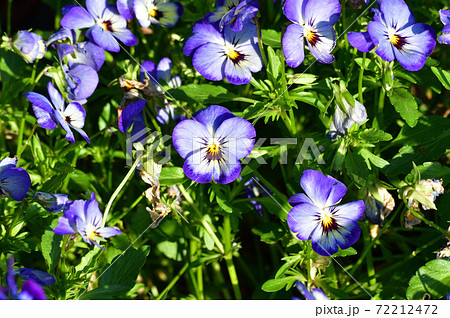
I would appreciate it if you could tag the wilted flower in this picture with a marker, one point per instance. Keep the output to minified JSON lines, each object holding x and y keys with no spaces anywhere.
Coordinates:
{"x":30,"y":289}
{"x":212,"y":142}
{"x":236,"y":12}
{"x":315,"y":216}
{"x":313,"y":20}
{"x":229,"y":54}
{"x":315,"y":294}
{"x":49,"y":115}
{"x":104,"y":22}
{"x":397,"y":36}
{"x":342,"y":121}
{"x":14,"y":182}
{"x":30,"y":45}
{"x":84,"y":217}
{"x":159,"y":12}
{"x":444,"y":38}
{"x":378,"y":205}
{"x":53,"y":202}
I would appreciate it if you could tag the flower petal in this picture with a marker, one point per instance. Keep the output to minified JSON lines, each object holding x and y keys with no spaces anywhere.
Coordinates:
{"x":40,"y":277}
{"x":293,"y":10}
{"x":125,"y":8}
{"x":198,"y":170}
{"x":227,"y":170}
{"x":237,"y":73}
{"x":396,"y":13}
{"x":148,"y":69}
{"x":238,"y":132}
{"x":385,"y":51}
{"x":323,"y":190}
{"x":15,"y":182}
{"x":203,"y":33}
{"x":361,"y":41}
{"x":43,"y":110}
{"x":108,"y":232}
{"x":104,"y":39}
{"x":31,"y":291}
{"x":322,"y":13}
{"x":7,"y":163}
{"x":164,"y":69}
{"x":299,"y":198}
{"x":55,"y":96}
{"x":92,"y":212}
{"x":171,"y":13}
{"x":86,"y":79}
{"x":293,"y":45}
{"x":187,"y":137}
{"x":96,"y":7}
{"x":303,"y":219}
{"x":209,"y":60}
{"x":321,"y":48}
{"x":75,"y":114}
{"x":212,"y":117}
{"x":126,"y":36}
{"x":77,"y":18}
{"x":64,"y":226}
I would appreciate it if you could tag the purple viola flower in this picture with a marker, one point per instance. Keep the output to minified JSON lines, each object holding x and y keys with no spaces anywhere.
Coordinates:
{"x":229,"y":54}
{"x":315,"y":215}
{"x":125,"y":8}
{"x":50,"y":114}
{"x":158,"y":75}
{"x":40,"y":277}
{"x":14,"y":182}
{"x":30,"y":289}
{"x":313,"y":20}
{"x":315,"y":294}
{"x":254,"y":189}
{"x":159,"y":12}
{"x":133,"y":116}
{"x":444,"y":38}
{"x":236,"y":12}
{"x":62,"y":35}
{"x":30,"y":46}
{"x":397,"y":36}
{"x":342,"y":121}
{"x":84,"y":217}
{"x":104,"y":22}
{"x":53,"y":202}
{"x":212,"y":142}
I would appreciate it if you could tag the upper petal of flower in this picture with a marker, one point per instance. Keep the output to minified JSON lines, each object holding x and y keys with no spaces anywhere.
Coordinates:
{"x":77,"y":18}
{"x":92,"y":212}
{"x":324,"y":191}
{"x":87,"y":53}
{"x":7,"y":163}
{"x":203,"y":33}
{"x":444,"y":15}
{"x":396,"y":14}
{"x":43,"y":110}
{"x":299,"y":198}
{"x":55,"y":96}
{"x":125,"y":8}
{"x":294,"y":9}
{"x":40,"y":277}
{"x":148,"y":69}
{"x":129,"y":113}
{"x":164,"y":69}
{"x":15,"y":182}
{"x":85,"y":84}
{"x":96,"y":7}
{"x":212,"y":117}
{"x":322,"y":13}
{"x":293,"y":45}
{"x":25,"y":42}
{"x":187,"y":136}
{"x":239,"y":133}
{"x":65,"y":226}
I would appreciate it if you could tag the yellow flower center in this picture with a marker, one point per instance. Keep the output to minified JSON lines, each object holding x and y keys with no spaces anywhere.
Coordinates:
{"x":155,"y":13}
{"x":90,"y":232}
{"x":235,"y":56}
{"x":395,"y":39}
{"x":311,"y":36}
{"x":328,"y":222}
{"x":213,"y":152}
{"x":107,"y":25}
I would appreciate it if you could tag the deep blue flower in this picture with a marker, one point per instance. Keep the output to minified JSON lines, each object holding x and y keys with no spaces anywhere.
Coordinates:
{"x":215,"y":54}
{"x":444,"y":38}
{"x":342,"y":121}
{"x":49,"y":115}
{"x":313,"y":20}
{"x":315,"y":215}
{"x":40,"y":277}
{"x":236,"y":12}
{"x":133,"y":116}
{"x":212,"y":142}
{"x":397,"y":36}
{"x":14,"y":182}
{"x":159,"y":12}
{"x":30,"y":46}
{"x":84,"y":217}
{"x":315,"y":294}
{"x":53,"y":202}
{"x":104,"y":22}
{"x":30,"y":289}
{"x":158,"y":75}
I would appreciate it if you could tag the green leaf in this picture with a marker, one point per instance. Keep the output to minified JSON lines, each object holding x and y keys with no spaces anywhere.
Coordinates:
{"x":432,"y":279}
{"x":374,"y":135}
{"x":356,"y":167}
{"x":271,"y":38}
{"x":270,"y":233}
{"x":274,"y":285}
{"x":347,"y":252}
{"x":369,"y":65}
{"x":51,"y":246}
{"x":88,"y":261}
{"x":171,"y":176}
{"x":124,"y":269}
{"x":308,"y":98}
{"x":105,"y":292}
{"x":405,"y":104}
{"x":443,"y":76}
{"x":202,"y":93}
{"x":374,"y":159}
{"x":273,"y":68}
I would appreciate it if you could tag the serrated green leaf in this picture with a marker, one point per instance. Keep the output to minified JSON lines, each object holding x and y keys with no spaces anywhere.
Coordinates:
{"x":405,"y":104}
{"x":432,"y":279}
{"x":374,"y":159}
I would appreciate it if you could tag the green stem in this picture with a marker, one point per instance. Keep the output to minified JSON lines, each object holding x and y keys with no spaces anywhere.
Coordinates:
{"x":201,"y":295}
{"x":173,"y":282}
{"x":427,"y":222}
{"x":124,"y":181}
{"x":229,"y":257}
{"x":369,"y":258}
{"x":203,"y":221}
{"x":8,"y":18}
{"x":260,"y":44}
{"x":360,"y":80}
{"x":380,"y":114}
{"x":28,"y":140}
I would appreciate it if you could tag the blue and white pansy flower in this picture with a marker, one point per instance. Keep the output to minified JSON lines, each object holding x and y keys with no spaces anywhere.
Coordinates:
{"x":159,"y":12}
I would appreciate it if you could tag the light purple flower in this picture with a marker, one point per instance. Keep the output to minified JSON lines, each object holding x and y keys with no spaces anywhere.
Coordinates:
{"x":396,"y":36}
{"x":125,"y":8}
{"x":30,"y":45}
{"x":158,"y":75}
{"x":342,"y":121}
{"x":84,"y":217}
{"x":315,"y":294}
{"x":104,"y":22}
{"x":50,"y":114}
{"x":161,"y":12}
{"x":14,"y":182}
{"x":233,"y":55}
{"x":133,"y":116}
{"x":236,"y":12}
{"x":212,"y":142}
{"x":30,"y":289}
{"x":53,"y":202}
{"x":444,"y":38}
{"x":313,"y":20}
{"x":316,"y":217}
